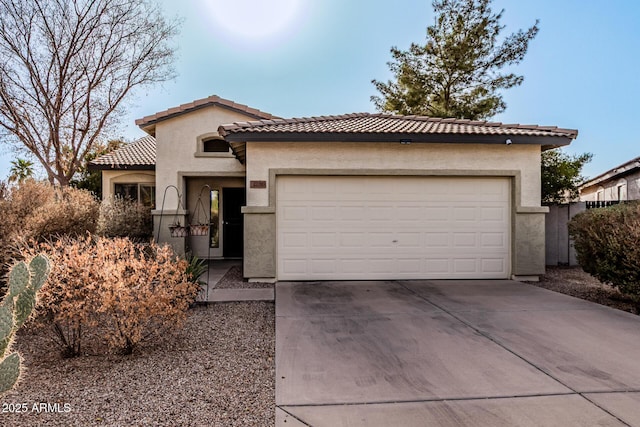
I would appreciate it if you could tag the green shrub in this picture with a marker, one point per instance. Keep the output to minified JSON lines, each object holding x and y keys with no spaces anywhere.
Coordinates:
{"x":25,"y":281}
{"x":607,"y":243}
{"x":124,"y":218}
{"x":123,"y":291}
{"x":196,"y":268}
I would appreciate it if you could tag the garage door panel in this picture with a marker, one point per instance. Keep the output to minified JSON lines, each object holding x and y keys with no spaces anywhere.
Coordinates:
{"x":493,"y":240}
{"x":354,"y":266}
{"x":324,"y":266}
{"x":464,"y":240}
{"x":294,"y":213}
{"x":353,"y":240}
{"x":381,"y":240}
{"x":493,"y":265}
{"x":392,"y":227}
{"x":351,"y":213}
{"x":324,"y":240}
{"x":294,"y":240}
{"x":492,"y":214}
{"x":464,"y":214}
{"x":408,"y":213}
{"x":437,"y":266}
{"x":410,"y":265}
{"x":438,"y":213}
{"x":378,"y":213}
{"x":292,"y":266}
{"x":410,"y":240}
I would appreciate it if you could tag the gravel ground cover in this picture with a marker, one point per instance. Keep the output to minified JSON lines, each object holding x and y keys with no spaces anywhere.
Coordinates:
{"x":575,"y":282}
{"x":216,"y":371}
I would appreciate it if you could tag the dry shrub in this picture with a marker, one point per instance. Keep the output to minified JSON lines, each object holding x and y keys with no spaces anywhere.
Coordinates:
{"x":4,"y":190}
{"x":607,"y":243}
{"x":124,"y":291}
{"x":37,"y":210}
{"x":124,"y":218}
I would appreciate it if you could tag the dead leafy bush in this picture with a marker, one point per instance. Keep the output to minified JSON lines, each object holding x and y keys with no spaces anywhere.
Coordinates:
{"x":37,"y":210}
{"x":124,"y":291}
{"x":4,"y":190}
{"x":121,"y":217}
{"x":607,"y":243}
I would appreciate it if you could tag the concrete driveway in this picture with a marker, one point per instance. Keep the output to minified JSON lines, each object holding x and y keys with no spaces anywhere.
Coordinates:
{"x":452,"y":353}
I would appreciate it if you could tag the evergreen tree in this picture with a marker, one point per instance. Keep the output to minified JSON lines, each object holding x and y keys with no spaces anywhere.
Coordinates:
{"x":561,"y":175}
{"x":457,"y":72}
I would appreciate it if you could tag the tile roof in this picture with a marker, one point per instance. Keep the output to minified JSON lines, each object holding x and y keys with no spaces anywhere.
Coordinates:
{"x":380,"y":127}
{"x":615,"y":173}
{"x":140,"y":154}
{"x":381,"y":124}
{"x":147,"y":122}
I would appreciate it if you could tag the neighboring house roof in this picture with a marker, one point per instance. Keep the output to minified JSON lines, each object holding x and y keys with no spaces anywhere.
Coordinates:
{"x":148,"y":123}
{"x":138,"y":155}
{"x":382,"y":127}
{"x":615,"y":173}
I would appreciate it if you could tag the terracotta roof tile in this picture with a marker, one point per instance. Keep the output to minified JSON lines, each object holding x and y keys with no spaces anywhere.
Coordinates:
{"x":199,"y":103}
{"x":379,"y":123}
{"x":140,"y":154}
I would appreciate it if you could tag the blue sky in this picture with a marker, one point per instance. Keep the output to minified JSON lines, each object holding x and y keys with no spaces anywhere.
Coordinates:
{"x":317,"y":57}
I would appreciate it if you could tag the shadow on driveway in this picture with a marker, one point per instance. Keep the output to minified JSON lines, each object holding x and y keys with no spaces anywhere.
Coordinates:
{"x":458,"y":353}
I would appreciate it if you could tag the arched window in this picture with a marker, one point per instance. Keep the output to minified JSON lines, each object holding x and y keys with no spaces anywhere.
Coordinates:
{"x":215,"y":145}
{"x":212,"y":145}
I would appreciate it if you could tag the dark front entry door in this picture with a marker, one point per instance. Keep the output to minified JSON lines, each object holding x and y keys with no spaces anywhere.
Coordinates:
{"x":232,"y":225}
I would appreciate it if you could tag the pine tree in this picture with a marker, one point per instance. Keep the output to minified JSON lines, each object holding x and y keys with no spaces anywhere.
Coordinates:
{"x":458,"y":71}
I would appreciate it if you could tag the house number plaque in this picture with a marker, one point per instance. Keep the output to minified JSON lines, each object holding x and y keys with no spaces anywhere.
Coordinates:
{"x":258,"y":184}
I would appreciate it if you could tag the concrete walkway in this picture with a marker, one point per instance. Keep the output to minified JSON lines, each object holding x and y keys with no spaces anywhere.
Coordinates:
{"x":238,"y":295}
{"x":217,"y":270}
{"x":452,"y":353}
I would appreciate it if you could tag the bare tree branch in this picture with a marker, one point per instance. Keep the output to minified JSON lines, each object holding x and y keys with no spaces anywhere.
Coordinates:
{"x":67,"y":68}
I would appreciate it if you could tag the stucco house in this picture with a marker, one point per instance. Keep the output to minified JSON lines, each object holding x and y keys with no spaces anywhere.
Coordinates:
{"x":356,"y":196}
{"x":618,"y":184}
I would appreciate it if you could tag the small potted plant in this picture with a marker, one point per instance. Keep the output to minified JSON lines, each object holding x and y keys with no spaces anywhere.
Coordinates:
{"x":177,"y":230}
{"x":199,"y":221}
{"x":199,"y":229}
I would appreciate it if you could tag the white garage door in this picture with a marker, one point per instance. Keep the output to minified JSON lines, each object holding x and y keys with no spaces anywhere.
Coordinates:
{"x":347,"y":228}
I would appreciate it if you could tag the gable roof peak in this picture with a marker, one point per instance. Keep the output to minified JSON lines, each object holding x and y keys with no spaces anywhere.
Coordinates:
{"x":148,"y":123}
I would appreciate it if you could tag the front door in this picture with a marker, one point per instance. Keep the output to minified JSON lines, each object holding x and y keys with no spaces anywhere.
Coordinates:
{"x":232,"y":222}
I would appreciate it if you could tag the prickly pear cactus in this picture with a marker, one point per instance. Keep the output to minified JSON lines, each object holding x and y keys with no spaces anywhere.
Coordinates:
{"x":24,"y":283}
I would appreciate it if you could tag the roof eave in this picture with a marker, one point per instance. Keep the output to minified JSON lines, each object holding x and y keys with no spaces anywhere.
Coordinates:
{"x":99,"y":167}
{"x":238,"y":140}
{"x":149,"y":129}
{"x":546,"y":141}
{"x":619,"y":172}
{"x":148,"y":123}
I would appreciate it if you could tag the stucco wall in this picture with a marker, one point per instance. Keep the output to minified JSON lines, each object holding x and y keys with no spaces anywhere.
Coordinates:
{"x":261,"y":157}
{"x":610,"y":188}
{"x":196,"y":189}
{"x":521,"y":162}
{"x":177,"y":144}
{"x":109,"y":178}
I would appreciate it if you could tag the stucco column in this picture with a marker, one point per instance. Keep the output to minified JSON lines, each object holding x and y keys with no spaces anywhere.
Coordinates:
{"x":529,"y":246}
{"x":259,"y":243}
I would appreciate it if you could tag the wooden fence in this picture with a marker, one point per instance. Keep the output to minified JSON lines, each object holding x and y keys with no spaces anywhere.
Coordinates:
{"x":559,"y":246}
